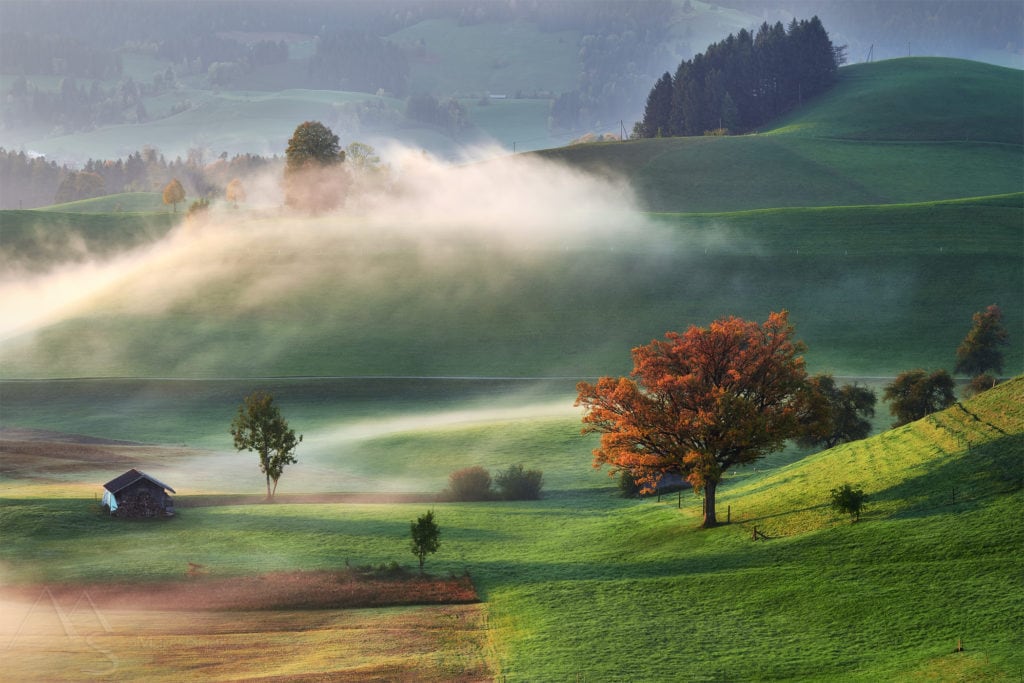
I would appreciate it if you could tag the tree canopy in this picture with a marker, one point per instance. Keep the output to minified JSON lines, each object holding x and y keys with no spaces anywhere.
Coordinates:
{"x":980,"y":350}
{"x":915,"y":394}
{"x":426,"y":537}
{"x":699,"y":403}
{"x":312,"y":144}
{"x":848,"y":500}
{"x":260,"y":427}
{"x":174,"y":193}
{"x":313,"y":179}
{"x":848,"y":410}
{"x":742,"y":81}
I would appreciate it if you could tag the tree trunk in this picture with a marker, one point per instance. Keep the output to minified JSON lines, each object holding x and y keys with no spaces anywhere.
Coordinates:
{"x":269,"y":494}
{"x":709,"y":505}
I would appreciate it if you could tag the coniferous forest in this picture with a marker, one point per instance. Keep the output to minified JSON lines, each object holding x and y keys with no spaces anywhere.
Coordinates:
{"x":739,"y":83}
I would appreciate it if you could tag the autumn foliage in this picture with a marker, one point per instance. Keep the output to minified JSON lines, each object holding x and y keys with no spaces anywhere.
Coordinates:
{"x":701,"y":402}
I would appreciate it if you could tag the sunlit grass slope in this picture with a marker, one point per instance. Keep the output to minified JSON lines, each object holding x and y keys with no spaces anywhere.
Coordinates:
{"x":586,"y":584}
{"x":889,"y":132}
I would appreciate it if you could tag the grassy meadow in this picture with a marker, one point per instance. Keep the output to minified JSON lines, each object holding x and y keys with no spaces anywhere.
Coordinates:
{"x":933,"y":559}
{"x":873,"y":290}
{"x":435,"y":336}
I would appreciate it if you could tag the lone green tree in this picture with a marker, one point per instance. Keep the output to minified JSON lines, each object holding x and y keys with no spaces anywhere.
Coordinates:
{"x":314,"y":178}
{"x":259,"y":427}
{"x":426,"y":537}
{"x":700,"y":403}
{"x":174,"y":193}
{"x":848,"y":500}
{"x":915,"y":394}
{"x":847,"y":413}
{"x":980,"y":352}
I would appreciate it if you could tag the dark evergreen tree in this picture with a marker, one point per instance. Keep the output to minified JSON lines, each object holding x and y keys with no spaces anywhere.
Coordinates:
{"x":743,"y":81}
{"x":657,"y":113}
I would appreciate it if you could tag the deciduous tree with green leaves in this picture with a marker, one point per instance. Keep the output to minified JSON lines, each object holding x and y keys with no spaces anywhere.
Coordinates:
{"x":915,"y":394}
{"x":260,"y":427}
{"x":426,"y":537}
{"x":848,"y":411}
{"x":980,"y":352}
{"x":314,"y":178}
{"x":848,"y":500}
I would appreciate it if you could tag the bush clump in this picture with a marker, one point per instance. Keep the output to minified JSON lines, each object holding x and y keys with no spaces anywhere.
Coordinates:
{"x":515,"y":483}
{"x":628,"y":488}
{"x":848,"y":500}
{"x":470,"y":484}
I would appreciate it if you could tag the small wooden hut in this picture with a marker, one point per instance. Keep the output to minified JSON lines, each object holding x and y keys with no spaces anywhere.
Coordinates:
{"x":136,"y":494}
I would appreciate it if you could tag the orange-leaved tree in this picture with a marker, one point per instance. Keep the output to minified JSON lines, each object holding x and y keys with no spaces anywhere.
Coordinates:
{"x":701,"y":402}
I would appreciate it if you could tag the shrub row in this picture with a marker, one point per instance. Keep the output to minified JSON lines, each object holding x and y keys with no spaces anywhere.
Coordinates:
{"x":475,"y":484}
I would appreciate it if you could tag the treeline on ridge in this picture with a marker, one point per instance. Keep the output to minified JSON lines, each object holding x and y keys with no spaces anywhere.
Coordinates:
{"x":743,"y":81}
{"x":30,"y":181}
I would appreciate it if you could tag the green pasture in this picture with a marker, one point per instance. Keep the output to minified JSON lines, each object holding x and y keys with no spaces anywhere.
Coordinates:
{"x":898,"y":131}
{"x":584,"y":584}
{"x":125,"y":202}
{"x":917,"y":99}
{"x":873,"y":290}
{"x":719,"y":174}
{"x":41,"y":239}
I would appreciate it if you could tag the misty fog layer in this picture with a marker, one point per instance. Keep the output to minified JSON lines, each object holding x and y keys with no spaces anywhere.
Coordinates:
{"x":510,"y":267}
{"x":457,"y":245}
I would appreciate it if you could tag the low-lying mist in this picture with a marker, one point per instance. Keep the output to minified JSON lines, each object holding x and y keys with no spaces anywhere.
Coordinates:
{"x":467,"y":246}
{"x":259,"y":254}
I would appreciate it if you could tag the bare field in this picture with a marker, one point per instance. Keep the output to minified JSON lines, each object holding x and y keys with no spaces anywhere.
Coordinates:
{"x":40,"y":454}
{"x":273,"y":591}
{"x":52,"y":639}
{"x":283,"y":626}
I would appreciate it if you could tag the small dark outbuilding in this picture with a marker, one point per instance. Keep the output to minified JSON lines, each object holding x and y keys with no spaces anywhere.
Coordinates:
{"x":136,"y":494}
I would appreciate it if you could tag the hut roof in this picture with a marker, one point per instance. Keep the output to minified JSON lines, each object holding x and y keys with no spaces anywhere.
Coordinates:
{"x":129,"y":478}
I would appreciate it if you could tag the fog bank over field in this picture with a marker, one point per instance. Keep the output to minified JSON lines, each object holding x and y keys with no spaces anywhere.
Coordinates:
{"x":254,"y":259}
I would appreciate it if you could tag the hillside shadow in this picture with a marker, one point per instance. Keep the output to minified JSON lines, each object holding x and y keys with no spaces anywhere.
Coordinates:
{"x":986,"y":470}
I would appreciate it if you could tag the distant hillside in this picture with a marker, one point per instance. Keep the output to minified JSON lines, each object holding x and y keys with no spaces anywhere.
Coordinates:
{"x":905,"y":130}
{"x":917,"y":100}
{"x":126,"y":202}
{"x":36,"y":240}
{"x":872,"y":290}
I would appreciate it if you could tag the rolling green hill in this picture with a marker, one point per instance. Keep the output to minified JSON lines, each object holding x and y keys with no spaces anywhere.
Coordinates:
{"x":873,"y":290}
{"x":126,"y":202}
{"x":935,"y":557}
{"x":916,"y":100}
{"x":904,"y":130}
{"x":854,"y":237}
{"x":37,"y":240}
